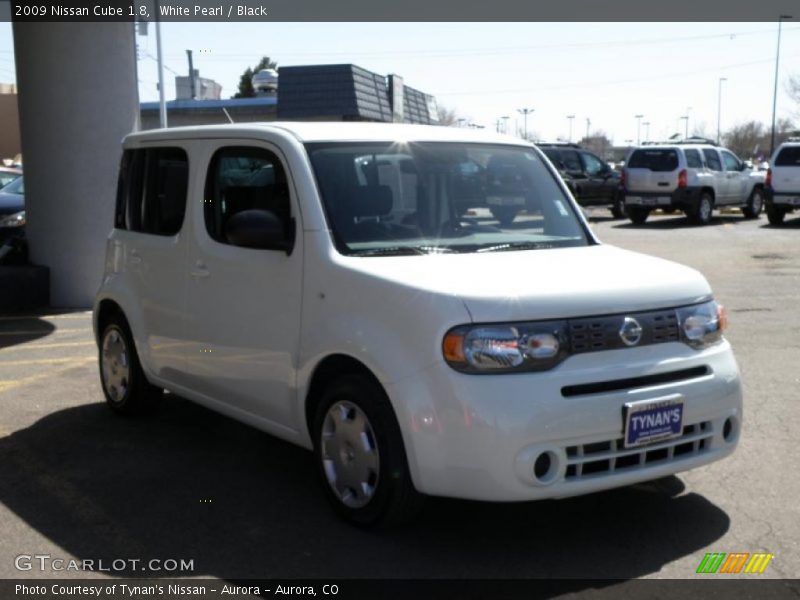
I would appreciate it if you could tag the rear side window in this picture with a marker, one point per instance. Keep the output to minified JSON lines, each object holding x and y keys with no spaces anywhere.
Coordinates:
{"x":571,"y":160}
{"x":243,"y":178}
{"x":693,"y":160}
{"x":788,"y":157}
{"x":664,"y":159}
{"x":151,"y":193}
{"x":712,"y":159}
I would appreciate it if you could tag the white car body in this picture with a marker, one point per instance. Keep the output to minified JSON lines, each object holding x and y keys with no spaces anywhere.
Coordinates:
{"x":465,"y":435}
{"x":785,"y":175}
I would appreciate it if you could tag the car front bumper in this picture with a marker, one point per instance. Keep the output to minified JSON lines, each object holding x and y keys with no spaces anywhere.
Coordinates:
{"x":478,"y":436}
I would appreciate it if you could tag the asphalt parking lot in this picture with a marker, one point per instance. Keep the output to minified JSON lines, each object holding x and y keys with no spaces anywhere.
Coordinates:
{"x":78,"y":482}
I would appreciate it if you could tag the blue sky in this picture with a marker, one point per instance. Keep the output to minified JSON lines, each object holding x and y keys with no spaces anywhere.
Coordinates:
{"x":606,"y":72}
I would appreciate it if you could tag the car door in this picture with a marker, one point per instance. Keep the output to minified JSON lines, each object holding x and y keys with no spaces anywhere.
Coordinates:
{"x":714,"y":165}
{"x":573,"y":167}
{"x":735,"y":181}
{"x":149,"y":243}
{"x":243,"y":303}
{"x":596,"y":177}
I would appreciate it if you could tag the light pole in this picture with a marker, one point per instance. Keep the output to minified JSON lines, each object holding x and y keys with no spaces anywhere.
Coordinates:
{"x":588,"y":124}
{"x":505,"y":123}
{"x":781,"y":19}
{"x":719,"y":106}
{"x":646,"y":131}
{"x":686,"y":130}
{"x":570,"y":118}
{"x":525,"y":112}
{"x":638,"y":128}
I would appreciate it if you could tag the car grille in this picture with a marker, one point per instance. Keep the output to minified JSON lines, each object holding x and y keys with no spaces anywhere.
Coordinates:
{"x":602,"y":333}
{"x":604,"y":458}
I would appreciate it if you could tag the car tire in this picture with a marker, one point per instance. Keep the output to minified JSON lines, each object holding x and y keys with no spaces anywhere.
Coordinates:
{"x":775,"y":214}
{"x":702,"y":212}
{"x":504,"y":214}
{"x":618,"y":210}
{"x":360,"y":456}
{"x":755,"y":203}
{"x":638,"y":214}
{"x":124,"y":384}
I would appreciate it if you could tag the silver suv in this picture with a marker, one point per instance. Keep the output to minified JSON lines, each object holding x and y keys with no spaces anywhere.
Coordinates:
{"x":783,"y":181}
{"x":692,"y":177}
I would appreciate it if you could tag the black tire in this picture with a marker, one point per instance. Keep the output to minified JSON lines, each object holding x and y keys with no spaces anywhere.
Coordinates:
{"x":755,"y":203}
{"x":618,"y":210}
{"x":392,"y":498}
{"x":124,"y":384}
{"x":504,"y":214}
{"x":638,"y":214}
{"x":701,"y":214}
{"x":775,"y":214}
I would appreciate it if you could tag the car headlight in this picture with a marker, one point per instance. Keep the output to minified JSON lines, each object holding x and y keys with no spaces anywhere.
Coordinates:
{"x":14,"y":220}
{"x":506,"y":348}
{"x":702,"y":325}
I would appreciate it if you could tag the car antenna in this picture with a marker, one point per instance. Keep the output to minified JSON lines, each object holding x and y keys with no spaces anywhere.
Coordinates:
{"x":227,"y":114}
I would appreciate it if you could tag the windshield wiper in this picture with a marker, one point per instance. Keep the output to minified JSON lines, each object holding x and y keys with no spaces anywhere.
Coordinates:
{"x":510,"y":246}
{"x":402,"y":251}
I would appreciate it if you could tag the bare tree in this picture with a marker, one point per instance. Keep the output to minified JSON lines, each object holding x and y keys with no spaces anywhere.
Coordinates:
{"x":597,"y":142}
{"x":447,"y":116}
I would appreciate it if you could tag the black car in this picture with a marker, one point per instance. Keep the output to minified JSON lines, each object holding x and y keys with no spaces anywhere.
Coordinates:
{"x":590,"y":179}
{"x":12,"y":210}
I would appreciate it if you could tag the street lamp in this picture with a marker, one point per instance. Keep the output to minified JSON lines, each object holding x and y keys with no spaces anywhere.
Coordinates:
{"x":646,"y":131}
{"x":570,"y":118}
{"x":638,"y":129}
{"x":719,"y":106}
{"x":781,"y":19}
{"x":525,"y":112}
{"x":588,"y":125}
{"x":505,"y":123}
{"x":686,"y":130}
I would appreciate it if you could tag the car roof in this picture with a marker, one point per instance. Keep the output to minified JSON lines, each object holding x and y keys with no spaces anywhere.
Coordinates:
{"x":331,"y":131}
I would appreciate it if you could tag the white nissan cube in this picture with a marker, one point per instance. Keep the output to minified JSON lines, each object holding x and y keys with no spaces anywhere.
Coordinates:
{"x":423,"y":307}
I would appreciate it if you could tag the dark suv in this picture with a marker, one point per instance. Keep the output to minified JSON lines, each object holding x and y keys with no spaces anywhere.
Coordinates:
{"x":590,"y":179}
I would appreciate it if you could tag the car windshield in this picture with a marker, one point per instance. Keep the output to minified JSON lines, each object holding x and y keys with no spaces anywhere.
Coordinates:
{"x":7,"y":177}
{"x":15,"y":187}
{"x":420,"y":198}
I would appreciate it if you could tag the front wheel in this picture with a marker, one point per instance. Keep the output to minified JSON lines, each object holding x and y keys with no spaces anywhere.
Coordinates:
{"x":752,"y":210}
{"x":125,"y":386}
{"x":775,"y":214}
{"x":638,"y":214}
{"x":360,"y":454}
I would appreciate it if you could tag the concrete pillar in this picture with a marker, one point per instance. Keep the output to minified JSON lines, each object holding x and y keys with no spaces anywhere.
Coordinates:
{"x":77,"y":99}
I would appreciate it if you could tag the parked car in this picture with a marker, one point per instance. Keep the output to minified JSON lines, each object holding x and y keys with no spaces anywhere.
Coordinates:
{"x":12,"y":209}
{"x":344,"y":304}
{"x":783,"y":181}
{"x":695,"y":178}
{"x":8,"y":174}
{"x":591,"y":180}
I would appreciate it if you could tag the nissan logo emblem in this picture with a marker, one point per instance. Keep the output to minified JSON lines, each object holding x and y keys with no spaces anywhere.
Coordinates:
{"x":631,"y":332}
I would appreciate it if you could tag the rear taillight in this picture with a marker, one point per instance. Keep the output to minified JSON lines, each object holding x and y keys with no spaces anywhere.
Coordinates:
{"x":683,"y":179}
{"x":768,"y":180}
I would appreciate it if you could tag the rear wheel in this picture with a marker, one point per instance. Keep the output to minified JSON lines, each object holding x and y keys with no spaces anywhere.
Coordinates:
{"x":775,"y":214}
{"x":701,"y":214}
{"x":755,"y":203}
{"x":125,"y":386}
{"x":360,"y":454}
{"x":638,"y":214}
{"x":504,"y":214}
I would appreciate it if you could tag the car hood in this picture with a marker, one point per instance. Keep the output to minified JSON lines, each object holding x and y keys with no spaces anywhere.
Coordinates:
{"x":11,"y":203}
{"x":545,"y":284}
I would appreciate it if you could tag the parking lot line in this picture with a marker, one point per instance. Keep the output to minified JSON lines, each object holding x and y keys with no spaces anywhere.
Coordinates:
{"x":9,"y":384}
{"x":78,"y":315}
{"x":41,"y":361}
{"x":32,"y":345}
{"x":39,"y":331}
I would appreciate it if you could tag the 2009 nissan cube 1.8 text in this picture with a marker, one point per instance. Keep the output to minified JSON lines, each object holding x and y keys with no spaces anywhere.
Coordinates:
{"x":358,"y":290}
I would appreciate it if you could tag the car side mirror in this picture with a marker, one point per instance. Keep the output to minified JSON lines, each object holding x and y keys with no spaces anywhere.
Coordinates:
{"x":260,"y":229}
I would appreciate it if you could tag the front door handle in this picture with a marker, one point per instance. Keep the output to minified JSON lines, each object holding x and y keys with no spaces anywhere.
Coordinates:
{"x":200,"y":270}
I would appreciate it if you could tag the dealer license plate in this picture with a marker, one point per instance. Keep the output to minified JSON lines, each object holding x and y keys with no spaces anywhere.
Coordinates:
{"x":649,"y":421}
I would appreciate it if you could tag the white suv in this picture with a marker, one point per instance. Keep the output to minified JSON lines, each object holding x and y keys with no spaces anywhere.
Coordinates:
{"x":323,"y":282}
{"x":783,"y":181}
{"x":694,"y":178}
